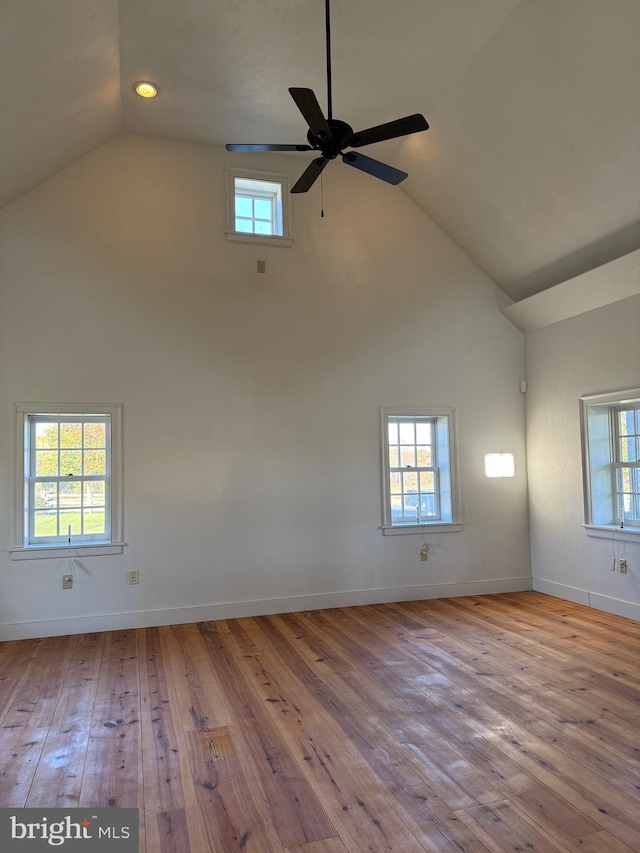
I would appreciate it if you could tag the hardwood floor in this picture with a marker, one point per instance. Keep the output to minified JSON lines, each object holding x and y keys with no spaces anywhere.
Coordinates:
{"x":502,"y":723}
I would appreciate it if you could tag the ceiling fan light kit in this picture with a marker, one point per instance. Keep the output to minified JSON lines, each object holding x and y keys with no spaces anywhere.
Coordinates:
{"x":329,"y":137}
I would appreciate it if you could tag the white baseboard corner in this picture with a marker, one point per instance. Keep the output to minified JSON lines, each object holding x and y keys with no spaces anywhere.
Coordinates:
{"x":260,"y":607}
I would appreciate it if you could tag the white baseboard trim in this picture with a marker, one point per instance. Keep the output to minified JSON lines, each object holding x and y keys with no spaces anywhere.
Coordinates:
{"x":589,"y":599}
{"x":615,"y":606}
{"x":260,"y":607}
{"x":560,"y":590}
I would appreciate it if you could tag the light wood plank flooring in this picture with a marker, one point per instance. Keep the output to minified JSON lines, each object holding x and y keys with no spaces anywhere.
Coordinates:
{"x":494,"y":723}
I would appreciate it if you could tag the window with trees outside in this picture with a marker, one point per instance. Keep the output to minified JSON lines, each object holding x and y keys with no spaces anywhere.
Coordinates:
{"x":68,"y":475}
{"x":611,"y":459}
{"x":419,"y":480}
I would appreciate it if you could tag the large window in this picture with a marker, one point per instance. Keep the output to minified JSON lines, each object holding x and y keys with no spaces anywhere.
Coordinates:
{"x":419,"y":483}
{"x":611,"y":457}
{"x":67,"y":477}
{"x":258,"y":207}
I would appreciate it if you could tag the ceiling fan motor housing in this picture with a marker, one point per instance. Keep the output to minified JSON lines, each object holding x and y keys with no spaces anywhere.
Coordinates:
{"x":341,"y":133}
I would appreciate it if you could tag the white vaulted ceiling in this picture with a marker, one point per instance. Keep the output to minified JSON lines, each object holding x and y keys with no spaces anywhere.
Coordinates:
{"x":532,"y":162}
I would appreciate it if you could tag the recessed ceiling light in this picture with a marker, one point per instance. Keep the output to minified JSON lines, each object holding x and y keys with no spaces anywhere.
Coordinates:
{"x":145,"y":89}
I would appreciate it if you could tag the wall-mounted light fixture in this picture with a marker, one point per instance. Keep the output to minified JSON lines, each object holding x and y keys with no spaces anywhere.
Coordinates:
{"x":145,"y":89}
{"x":499,"y":465}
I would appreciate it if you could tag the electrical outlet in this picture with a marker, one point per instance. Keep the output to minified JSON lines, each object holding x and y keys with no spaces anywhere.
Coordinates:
{"x":622,"y":566}
{"x":424,"y":553}
{"x":133,"y":577}
{"x":67,"y":581}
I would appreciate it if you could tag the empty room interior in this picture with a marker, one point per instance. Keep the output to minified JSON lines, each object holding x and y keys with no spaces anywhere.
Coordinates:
{"x":320,"y":424}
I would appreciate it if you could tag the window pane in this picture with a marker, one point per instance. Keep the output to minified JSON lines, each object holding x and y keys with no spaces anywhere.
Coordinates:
{"x":407,"y":433}
{"x":46,"y":463}
{"x":94,"y":521}
{"x":393,"y":432}
{"x":427,"y":481}
{"x":46,"y":435}
{"x":628,"y":450}
{"x":263,"y":227}
{"x":70,"y":462}
{"x":94,"y":493}
{"x":45,"y":495}
{"x":70,"y":494}
{"x":411,"y":506}
{"x":423,"y":432}
{"x":263,"y":209}
{"x":244,"y":226}
{"x":45,"y":523}
{"x":70,"y":518}
{"x":428,"y":506}
{"x":624,"y":479}
{"x":408,"y":456}
{"x":393,"y":457}
{"x":70,"y":435}
{"x":424,"y":457}
{"x":95,"y":461}
{"x":244,"y":207}
{"x":625,"y":422}
{"x":94,"y":435}
{"x":396,"y":506}
{"x":409,"y":481}
{"x":395,"y":483}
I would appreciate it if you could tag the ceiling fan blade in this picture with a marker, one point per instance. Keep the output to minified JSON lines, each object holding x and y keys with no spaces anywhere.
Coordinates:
{"x":308,"y":105}
{"x":390,"y":130}
{"x":310,"y":175}
{"x":374,"y":167}
{"x":267,"y":147}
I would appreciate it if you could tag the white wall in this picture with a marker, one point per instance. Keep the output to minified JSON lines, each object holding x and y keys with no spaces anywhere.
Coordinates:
{"x":594,"y":352}
{"x":251,"y":401}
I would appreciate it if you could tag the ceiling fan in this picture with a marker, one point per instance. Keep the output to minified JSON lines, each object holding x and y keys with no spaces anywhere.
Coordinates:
{"x":330,"y":136}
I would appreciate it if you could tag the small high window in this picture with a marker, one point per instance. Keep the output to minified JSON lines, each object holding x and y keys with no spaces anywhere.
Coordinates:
{"x":258,"y":207}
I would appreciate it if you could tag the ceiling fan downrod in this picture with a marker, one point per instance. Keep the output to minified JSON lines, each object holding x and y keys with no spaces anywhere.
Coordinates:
{"x":327,"y":19}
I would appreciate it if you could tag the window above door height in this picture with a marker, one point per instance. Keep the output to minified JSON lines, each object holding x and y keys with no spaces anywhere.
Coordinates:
{"x":258,"y":208}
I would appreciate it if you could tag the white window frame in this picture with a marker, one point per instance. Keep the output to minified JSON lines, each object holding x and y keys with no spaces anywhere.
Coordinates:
{"x":112,"y":543}
{"x":282,"y":211}
{"x":444,"y":467}
{"x":600,"y":462}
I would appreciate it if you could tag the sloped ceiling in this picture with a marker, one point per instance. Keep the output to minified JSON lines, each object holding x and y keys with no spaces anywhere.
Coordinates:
{"x":532,"y":162}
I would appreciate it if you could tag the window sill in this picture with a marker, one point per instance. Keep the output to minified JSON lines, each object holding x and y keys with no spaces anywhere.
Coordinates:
{"x":55,"y":552}
{"x":613,"y":531}
{"x":437,"y":527}
{"x":260,"y":239}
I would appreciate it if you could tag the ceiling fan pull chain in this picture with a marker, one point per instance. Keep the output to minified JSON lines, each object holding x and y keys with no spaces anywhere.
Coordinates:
{"x":321,"y":197}
{"x":328,"y":32}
